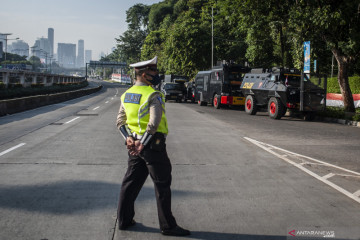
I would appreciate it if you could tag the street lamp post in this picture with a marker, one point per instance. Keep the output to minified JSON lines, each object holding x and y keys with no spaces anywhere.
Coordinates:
{"x":6,"y":39}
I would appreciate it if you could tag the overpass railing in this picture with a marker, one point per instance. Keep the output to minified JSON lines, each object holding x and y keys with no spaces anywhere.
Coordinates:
{"x":28,"y":78}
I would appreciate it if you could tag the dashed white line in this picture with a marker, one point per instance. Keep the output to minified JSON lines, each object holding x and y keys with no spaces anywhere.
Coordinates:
{"x":11,"y":149}
{"x":267,"y":147}
{"x":96,"y":108}
{"x":107,"y":102}
{"x":72,"y":120}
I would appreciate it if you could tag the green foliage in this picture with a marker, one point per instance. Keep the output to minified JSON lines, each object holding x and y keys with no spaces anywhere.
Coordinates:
{"x":339,"y":113}
{"x":333,"y":85}
{"x":263,"y":33}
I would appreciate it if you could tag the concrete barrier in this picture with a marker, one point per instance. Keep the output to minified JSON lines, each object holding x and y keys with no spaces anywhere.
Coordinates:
{"x":11,"y":106}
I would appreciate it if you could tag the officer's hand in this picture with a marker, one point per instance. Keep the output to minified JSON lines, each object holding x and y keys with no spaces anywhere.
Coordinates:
{"x":138,"y":147}
{"x":133,"y":149}
{"x":130,"y":143}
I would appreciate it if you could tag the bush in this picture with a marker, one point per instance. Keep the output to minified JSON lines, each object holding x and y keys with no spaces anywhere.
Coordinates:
{"x":339,"y":113}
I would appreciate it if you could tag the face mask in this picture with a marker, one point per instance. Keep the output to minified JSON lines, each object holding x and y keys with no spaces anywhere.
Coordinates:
{"x":155,"y":79}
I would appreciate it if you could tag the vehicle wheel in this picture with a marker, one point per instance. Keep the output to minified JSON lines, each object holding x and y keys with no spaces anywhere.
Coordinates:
{"x":250,"y":105}
{"x":275,"y":108}
{"x":216,"y":101}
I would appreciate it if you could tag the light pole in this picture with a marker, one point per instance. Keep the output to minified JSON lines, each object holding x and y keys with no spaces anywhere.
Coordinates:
{"x":6,"y":39}
{"x":212,"y":37}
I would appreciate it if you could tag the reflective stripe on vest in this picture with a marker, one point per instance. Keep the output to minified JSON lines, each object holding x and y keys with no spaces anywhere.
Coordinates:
{"x":136,"y":103}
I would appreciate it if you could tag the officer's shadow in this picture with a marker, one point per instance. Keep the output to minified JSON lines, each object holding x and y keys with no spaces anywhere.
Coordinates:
{"x":139,"y":227}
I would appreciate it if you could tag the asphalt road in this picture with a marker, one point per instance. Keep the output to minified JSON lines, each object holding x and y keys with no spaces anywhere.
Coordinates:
{"x":234,"y":176}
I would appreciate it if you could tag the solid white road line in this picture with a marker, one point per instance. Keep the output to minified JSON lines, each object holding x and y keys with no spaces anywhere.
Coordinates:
{"x":327,"y":176}
{"x":336,"y":187}
{"x":11,"y":149}
{"x":72,"y":120}
{"x":96,"y":108}
{"x":357,"y":193}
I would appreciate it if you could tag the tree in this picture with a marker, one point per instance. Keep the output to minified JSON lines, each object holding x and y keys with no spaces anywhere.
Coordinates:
{"x":337,"y":25}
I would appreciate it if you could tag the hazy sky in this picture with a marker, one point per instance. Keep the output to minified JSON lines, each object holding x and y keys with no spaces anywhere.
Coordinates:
{"x":97,"y":22}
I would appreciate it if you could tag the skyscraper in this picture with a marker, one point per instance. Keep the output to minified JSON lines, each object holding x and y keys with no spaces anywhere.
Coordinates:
{"x":88,"y":56}
{"x":51,"y":40}
{"x":67,"y":55}
{"x":20,"y":48}
{"x":41,"y":49}
{"x":80,"y":56}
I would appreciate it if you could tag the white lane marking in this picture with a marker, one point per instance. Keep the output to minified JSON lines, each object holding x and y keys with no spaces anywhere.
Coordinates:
{"x":96,"y":108}
{"x":327,"y":176}
{"x":72,"y":120}
{"x":303,"y":156}
{"x":336,"y":187}
{"x":11,"y":149}
{"x":357,"y":193}
{"x":107,"y":102}
{"x":112,"y":98}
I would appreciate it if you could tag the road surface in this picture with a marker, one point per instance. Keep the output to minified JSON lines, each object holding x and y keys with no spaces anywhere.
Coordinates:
{"x":235,"y":176}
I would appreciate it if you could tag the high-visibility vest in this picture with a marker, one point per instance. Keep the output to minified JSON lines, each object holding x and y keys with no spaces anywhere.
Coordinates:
{"x":136,"y":103}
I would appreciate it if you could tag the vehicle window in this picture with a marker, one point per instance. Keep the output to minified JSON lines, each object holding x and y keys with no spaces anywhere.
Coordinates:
{"x":172,"y":87}
{"x":235,"y":76}
{"x":199,"y":82}
{"x":206,"y":81}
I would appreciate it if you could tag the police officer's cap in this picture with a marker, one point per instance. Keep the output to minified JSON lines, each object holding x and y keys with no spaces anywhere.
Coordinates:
{"x":145,"y":64}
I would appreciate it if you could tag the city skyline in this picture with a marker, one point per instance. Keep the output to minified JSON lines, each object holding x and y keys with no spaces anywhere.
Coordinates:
{"x":97,"y":23}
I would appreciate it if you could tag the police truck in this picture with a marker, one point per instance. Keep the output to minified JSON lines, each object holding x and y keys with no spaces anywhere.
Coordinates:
{"x":220,"y":86}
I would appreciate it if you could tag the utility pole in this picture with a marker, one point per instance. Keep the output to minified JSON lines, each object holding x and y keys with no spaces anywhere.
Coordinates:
{"x":212,"y":37}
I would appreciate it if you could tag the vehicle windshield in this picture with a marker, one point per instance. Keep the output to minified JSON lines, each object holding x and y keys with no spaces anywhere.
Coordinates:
{"x":236,"y":76}
{"x":172,"y":87}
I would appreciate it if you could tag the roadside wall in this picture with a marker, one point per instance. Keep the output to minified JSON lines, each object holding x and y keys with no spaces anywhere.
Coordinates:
{"x":26,"y":103}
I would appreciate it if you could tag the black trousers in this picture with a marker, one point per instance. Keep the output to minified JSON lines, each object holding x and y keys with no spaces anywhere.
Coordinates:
{"x":157,"y":163}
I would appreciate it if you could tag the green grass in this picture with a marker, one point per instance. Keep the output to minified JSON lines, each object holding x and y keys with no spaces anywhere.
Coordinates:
{"x":333,"y":85}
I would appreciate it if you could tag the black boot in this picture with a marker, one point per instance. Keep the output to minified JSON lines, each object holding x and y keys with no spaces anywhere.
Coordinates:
{"x":176,"y":231}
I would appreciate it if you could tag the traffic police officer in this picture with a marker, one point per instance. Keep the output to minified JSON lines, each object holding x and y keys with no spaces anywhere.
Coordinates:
{"x":142,"y":122}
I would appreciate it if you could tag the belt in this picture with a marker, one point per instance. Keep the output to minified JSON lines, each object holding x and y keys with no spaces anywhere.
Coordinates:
{"x":136,"y":136}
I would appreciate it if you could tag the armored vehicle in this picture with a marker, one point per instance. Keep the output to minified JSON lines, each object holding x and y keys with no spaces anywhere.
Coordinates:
{"x":221,"y":85}
{"x":279,"y":89}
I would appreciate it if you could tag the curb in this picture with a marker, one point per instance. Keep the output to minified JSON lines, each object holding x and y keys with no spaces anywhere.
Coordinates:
{"x":341,"y":121}
{"x":16,"y":105}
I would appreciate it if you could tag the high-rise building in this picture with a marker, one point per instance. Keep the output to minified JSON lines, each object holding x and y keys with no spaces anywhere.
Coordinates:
{"x":51,"y":40}
{"x":67,"y":55}
{"x":88,"y":56}
{"x":2,"y":40}
{"x":20,"y":48}
{"x":41,"y":49}
{"x":80,"y":56}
